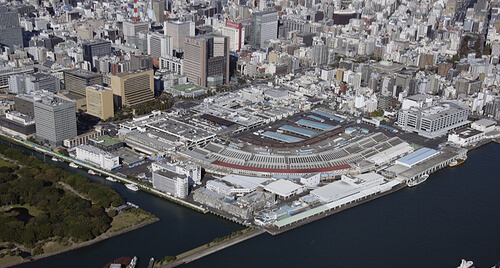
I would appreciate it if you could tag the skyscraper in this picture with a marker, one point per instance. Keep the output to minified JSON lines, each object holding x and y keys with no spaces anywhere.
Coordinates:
{"x":206,"y":60}
{"x":96,"y":48}
{"x":55,"y":117}
{"x":159,"y":45}
{"x":76,"y":80}
{"x":178,"y":30}
{"x":264,"y":28}
{"x":11,"y":33}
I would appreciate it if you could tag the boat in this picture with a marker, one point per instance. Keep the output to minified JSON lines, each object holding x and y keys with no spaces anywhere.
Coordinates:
{"x":111,"y":179}
{"x":91,"y":172}
{"x":133,"y":262}
{"x":132,"y":187}
{"x":417,"y":181}
{"x":55,"y":159}
{"x":458,"y":161}
{"x":466,"y":264}
{"x":73,"y":165}
{"x":151,"y":263}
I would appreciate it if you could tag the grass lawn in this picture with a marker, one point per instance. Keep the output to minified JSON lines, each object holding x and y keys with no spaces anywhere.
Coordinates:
{"x":55,"y":246}
{"x":129,"y":218}
{"x":9,"y":260}
{"x":4,"y":163}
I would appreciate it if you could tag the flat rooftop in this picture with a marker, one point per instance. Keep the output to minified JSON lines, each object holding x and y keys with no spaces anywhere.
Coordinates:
{"x":281,"y":137}
{"x":418,"y":156}
{"x":105,"y":140}
{"x":314,"y":125}
{"x":188,"y":88}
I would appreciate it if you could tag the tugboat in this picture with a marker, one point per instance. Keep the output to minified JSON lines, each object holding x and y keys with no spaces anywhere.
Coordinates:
{"x":458,"y":161}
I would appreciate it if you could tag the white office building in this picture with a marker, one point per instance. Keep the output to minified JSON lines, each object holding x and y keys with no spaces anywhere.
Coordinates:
{"x":159,"y":45}
{"x":96,"y":156}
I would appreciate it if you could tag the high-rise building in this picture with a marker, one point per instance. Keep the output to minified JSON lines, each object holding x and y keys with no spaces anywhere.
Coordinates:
{"x":77,"y":80}
{"x":236,"y":34}
{"x":178,"y":30}
{"x":158,"y":11}
{"x":206,"y":60}
{"x":132,"y":88}
{"x":264,"y":28}
{"x":159,"y":45}
{"x":131,"y":28}
{"x":11,"y":33}
{"x":25,"y":83}
{"x":55,"y":117}
{"x":100,"y":101}
{"x":96,"y":48}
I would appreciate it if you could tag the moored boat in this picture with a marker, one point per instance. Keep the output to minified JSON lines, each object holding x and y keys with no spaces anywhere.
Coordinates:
{"x":111,"y":179}
{"x":91,"y":172}
{"x":132,"y":187}
{"x":466,"y":264}
{"x":458,"y":161}
{"x":133,"y":262}
{"x":417,"y":181}
{"x":55,"y":159}
{"x":73,"y":165}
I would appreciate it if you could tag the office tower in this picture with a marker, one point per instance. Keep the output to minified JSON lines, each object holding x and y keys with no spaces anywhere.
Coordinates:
{"x":131,"y":28}
{"x":158,"y":11}
{"x":96,"y":48}
{"x":11,"y":33}
{"x":55,"y":117}
{"x":264,"y":28}
{"x":178,"y":30}
{"x":159,"y":45}
{"x":206,"y":61}
{"x":77,"y":79}
{"x":236,"y":34}
{"x":132,"y":88}
{"x":25,"y":83}
{"x":100,"y":101}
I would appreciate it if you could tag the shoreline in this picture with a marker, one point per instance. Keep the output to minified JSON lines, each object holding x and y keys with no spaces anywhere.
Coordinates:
{"x":100,"y":238}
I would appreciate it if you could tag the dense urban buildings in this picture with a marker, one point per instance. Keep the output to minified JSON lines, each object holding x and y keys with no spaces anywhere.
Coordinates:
{"x":100,"y":101}
{"x":132,"y":88}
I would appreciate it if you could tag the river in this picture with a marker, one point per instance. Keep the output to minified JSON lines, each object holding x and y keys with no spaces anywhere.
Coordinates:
{"x":453,"y":215}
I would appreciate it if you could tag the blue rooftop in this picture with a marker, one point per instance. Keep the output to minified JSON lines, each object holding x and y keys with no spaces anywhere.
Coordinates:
{"x":319,"y":119}
{"x":418,"y":156}
{"x":387,"y":127}
{"x":297,"y":130}
{"x":315,"y":125}
{"x":281,"y":137}
{"x":329,"y":116}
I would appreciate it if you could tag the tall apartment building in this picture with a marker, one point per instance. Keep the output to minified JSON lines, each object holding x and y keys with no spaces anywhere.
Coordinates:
{"x":11,"y":34}
{"x":131,"y":28}
{"x":178,"y":30}
{"x":100,"y":101}
{"x":206,"y":61}
{"x":159,"y":45}
{"x":77,"y":80}
{"x":55,"y":117}
{"x":236,"y":34}
{"x":97,"y":48}
{"x":264,"y":28}
{"x":132,"y":88}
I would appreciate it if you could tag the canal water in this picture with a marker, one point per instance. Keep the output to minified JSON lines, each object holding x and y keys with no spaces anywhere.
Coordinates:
{"x":455,"y":214}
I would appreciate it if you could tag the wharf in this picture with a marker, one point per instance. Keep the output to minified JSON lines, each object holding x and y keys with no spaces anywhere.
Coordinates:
{"x":274,"y":230}
{"x":204,"y":251}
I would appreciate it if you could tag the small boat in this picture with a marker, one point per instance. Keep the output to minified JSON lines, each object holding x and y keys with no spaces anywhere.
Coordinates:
{"x":73,"y":165}
{"x":151,"y":263}
{"x":458,"y":161}
{"x":132,"y":187}
{"x":466,"y":264}
{"x":417,"y":181}
{"x":55,"y":159}
{"x":91,"y":172}
{"x":111,"y":179}
{"x":133,"y":262}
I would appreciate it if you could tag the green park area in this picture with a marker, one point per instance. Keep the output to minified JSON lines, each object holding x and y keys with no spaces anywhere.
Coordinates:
{"x":46,"y":210}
